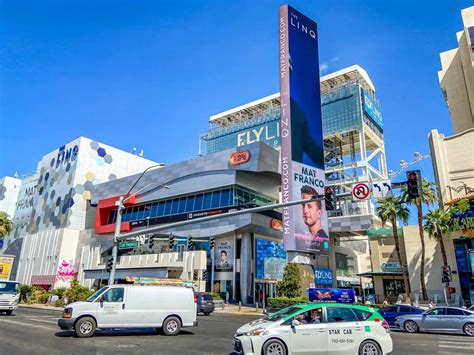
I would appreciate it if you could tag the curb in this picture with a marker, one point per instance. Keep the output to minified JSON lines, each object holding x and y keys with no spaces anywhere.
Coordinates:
{"x":29,"y":306}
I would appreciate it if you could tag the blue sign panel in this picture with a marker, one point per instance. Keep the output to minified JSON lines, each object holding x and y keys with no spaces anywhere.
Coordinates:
{"x":331,"y":295}
{"x":305,"y":227}
{"x":323,"y":276}
{"x":270,"y":259}
{"x":372,"y":109}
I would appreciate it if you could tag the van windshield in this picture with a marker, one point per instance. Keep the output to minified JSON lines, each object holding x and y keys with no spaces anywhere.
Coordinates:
{"x":285,"y":312}
{"x":96,"y":294}
{"x":9,"y":287}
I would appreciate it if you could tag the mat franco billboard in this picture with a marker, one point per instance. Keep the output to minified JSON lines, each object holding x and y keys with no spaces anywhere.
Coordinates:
{"x":305,"y":227}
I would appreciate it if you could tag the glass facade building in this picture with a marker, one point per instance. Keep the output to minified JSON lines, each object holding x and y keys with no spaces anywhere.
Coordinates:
{"x":343,"y":109}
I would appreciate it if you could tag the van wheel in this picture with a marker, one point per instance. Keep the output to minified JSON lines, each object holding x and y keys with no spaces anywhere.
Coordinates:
{"x":369,"y":347}
{"x":274,"y":347}
{"x":207,"y":313}
{"x":8,"y":313}
{"x":85,"y":327}
{"x":171,"y":326}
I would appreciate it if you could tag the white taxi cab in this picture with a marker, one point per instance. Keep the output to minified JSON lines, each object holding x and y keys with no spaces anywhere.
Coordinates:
{"x":316,"y":328}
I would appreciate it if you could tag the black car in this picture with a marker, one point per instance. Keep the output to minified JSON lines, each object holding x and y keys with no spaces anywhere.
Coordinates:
{"x":205,"y":303}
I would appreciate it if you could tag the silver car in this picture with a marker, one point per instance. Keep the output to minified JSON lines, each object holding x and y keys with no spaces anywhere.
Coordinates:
{"x":439,"y":319}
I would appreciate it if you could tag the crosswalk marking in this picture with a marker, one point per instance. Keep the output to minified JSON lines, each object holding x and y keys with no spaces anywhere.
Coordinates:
{"x":25,"y":324}
{"x":454,"y":347}
{"x":42,"y":320}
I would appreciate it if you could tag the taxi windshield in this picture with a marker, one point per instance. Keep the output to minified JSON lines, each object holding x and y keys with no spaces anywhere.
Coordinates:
{"x":95,"y":294}
{"x":285,"y":312}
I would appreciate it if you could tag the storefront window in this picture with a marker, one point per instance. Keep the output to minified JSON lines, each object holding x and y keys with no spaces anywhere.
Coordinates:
{"x":393,"y":288}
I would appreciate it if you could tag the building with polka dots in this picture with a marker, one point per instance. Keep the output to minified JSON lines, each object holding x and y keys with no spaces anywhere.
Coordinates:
{"x":52,"y":206}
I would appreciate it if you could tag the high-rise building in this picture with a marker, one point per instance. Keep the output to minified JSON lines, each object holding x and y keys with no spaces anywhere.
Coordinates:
{"x":453,"y":156}
{"x":456,"y":76}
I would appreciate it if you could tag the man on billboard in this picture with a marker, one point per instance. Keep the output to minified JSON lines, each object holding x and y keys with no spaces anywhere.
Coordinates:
{"x":312,"y":212}
{"x":224,"y":263}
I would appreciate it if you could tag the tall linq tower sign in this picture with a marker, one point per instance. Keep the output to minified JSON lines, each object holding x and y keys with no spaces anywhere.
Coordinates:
{"x":305,"y":227}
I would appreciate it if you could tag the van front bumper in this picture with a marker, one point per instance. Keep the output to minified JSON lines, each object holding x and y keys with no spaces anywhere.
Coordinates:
{"x":8,"y":307}
{"x":66,"y":323}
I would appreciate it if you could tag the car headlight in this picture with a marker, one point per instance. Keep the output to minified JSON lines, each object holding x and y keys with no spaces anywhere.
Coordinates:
{"x":257,"y":332}
{"x":67,"y":313}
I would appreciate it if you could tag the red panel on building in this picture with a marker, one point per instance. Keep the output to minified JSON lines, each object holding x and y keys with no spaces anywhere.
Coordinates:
{"x":104,"y":208}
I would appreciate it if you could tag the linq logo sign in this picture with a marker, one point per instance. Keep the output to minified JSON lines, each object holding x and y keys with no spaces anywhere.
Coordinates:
{"x":238,"y":158}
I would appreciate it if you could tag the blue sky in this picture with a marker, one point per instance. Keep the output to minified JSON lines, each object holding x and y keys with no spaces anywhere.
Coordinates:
{"x":148,"y":74}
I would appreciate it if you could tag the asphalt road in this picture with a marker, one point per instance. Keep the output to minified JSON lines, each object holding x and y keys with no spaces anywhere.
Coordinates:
{"x":35,"y":331}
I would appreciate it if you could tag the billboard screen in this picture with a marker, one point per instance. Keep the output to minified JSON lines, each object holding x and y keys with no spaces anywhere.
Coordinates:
{"x":305,"y":228}
{"x":372,"y":109}
{"x":331,"y":295}
{"x":6,"y":263}
{"x":224,"y":255}
{"x":270,"y":259}
{"x":323,"y":276}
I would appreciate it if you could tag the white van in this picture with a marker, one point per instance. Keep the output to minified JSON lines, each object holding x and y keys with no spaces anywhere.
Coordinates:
{"x":132,"y":306}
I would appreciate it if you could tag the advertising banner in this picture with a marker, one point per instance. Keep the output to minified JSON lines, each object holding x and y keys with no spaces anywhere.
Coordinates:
{"x":323,"y":276}
{"x":372,"y":109}
{"x":305,"y":228}
{"x":270,"y":259}
{"x":6,"y":263}
{"x":66,"y":268}
{"x":224,"y":255}
{"x":331,"y":295}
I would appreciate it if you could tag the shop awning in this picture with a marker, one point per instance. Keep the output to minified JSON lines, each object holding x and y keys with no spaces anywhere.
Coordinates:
{"x":381,"y":273}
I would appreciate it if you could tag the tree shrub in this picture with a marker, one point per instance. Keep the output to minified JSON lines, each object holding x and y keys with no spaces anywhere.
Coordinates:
{"x":290,"y":286}
{"x":283,"y":302}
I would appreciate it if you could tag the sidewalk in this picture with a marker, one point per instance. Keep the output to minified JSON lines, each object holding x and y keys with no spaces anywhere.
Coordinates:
{"x":234,"y":309}
{"x":41,"y":306}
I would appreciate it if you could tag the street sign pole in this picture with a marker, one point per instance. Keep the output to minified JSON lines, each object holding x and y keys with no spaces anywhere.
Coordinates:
{"x":212,"y":270}
{"x":118,"y":223}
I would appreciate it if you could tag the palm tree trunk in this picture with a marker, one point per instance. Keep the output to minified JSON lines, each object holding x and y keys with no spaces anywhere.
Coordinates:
{"x":397,"y":248}
{"x":441,"y":245}
{"x":423,"y":249}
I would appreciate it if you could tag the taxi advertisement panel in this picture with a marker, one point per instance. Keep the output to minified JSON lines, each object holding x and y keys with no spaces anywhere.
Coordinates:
{"x":331,"y":295}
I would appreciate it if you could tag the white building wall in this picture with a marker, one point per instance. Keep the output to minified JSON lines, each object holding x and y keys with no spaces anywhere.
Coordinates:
{"x":9,"y":189}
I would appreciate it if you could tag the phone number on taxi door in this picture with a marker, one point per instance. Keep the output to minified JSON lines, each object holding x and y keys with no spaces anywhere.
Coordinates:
{"x":342,"y":341}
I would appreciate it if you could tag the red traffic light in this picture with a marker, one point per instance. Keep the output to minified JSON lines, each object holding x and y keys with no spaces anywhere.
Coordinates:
{"x":451,"y":290}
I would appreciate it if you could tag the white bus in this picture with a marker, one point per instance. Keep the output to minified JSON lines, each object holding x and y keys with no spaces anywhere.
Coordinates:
{"x":9,"y":296}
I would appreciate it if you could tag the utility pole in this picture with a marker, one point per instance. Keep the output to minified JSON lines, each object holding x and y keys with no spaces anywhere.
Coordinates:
{"x":118,"y":223}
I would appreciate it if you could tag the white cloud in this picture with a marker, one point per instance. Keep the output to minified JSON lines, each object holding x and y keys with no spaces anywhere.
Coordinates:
{"x":335,"y":59}
{"x":323,"y":67}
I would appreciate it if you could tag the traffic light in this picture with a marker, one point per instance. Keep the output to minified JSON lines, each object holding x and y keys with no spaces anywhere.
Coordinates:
{"x":446,"y":274}
{"x":414,"y":184}
{"x":204,"y":275}
{"x":329,"y":198}
{"x":109,"y":264}
{"x":190,"y":243}
{"x":212,"y":243}
{"x":171,"y":241}
{"x":451,"y":290}
{"x":151,"y":242}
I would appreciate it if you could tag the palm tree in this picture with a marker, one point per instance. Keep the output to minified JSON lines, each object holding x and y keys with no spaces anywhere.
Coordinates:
{"x":437,"y":223}
{"x":392,"y":209}
{"x":5,"y":225}
{"x":428,"y":197}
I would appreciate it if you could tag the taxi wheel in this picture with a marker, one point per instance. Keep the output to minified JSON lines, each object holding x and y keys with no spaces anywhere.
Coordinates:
{"x":85,"y":327}
{"x":410,"y":326}
{"x":369,"y":347}
{"x":469,"y":329}
{"x":171,"y":326}
{"x":274,"y":347}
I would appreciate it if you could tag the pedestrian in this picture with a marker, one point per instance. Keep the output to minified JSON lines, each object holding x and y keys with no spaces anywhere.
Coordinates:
{"x":385,"y":303}
{"x":431,"y":304}
{"x":227,"y":297}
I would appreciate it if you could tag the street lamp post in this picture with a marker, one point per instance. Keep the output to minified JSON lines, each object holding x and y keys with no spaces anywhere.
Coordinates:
{"x":118,"y":221}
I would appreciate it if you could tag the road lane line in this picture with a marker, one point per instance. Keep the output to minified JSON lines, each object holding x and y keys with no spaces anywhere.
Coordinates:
{"x":27,"y":324}
{"x":43,"y":321}
{"x":456,"y":347}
